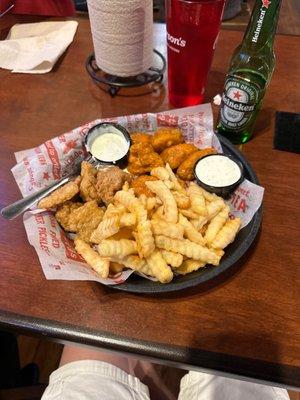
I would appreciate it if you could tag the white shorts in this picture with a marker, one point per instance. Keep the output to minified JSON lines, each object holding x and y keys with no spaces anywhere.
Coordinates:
{"x":96,"y":380}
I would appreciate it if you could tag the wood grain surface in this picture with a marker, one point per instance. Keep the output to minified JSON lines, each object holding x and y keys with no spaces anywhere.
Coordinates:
{"x":251,"y":314}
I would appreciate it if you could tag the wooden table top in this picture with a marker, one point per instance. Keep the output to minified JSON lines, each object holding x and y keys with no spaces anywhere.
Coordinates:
{"x":244,"y":323}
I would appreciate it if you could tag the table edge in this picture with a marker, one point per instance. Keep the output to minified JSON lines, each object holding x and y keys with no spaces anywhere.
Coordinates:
{"x":178,"y":356}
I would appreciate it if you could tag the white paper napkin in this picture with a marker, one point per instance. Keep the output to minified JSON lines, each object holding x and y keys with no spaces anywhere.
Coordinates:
{"x":35,"y":48}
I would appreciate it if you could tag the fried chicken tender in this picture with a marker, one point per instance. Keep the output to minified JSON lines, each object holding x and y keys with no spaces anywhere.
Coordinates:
{"x":82,"y":220}
{"x":109,"y":181}
{"x":88,"y":190}
{"x":142,"y":158}
{"x":88,"y":220}
{"x":175,"y":155}
{"x":166,"y":137}
{"x":139,"y":186}
{"x":140,"y":137}
{"x":59,"y":196}
{"x":185,"y":170}
{"x":63,"y":213}
{"x":98,"y":263}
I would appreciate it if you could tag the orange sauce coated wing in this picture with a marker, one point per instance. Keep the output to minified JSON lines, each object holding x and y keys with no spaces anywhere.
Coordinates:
{"x":166,"y":137}
{"x":185,"y":170}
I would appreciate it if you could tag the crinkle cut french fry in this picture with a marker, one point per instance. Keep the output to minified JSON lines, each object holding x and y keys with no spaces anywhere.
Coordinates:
{"x":216,"y":224}
{"x":117,"y":248}
{"x":189,"y":266}
{"x":197,"y":200}
{"x":144,"y":239}
{"x":160,"y":173}
{"x":151,"y":203}
{"x":132,"y":262}
{"x":133,"y":204}
{"x":105,"y":229}
{"x":183,"y":202}
{"x":214,"y":207}
{"x":127,"y":219}
{"x":189,"y":213}
{"x":174,"y":179}
{"x":115,"y":268}
{"x":169,"y":203}
{"x":114,"y":210}
{"x":188,"y":249}
{"x":189,"y":231}
{"x":161,"y":227}
{"x":207,"y":195}
{"x":170,"y":185}
{"x":158,"y":267}
{"x":158,"y":214}
{"x":98,"y":263}
{"x":227,"y":234}
{"x":148,"y":202}
{"x":143,"y":200}
{"x":171,"y":258}
{"x":154,"y":266}
{"x":124,"y":233}
{"x":199,"y":222}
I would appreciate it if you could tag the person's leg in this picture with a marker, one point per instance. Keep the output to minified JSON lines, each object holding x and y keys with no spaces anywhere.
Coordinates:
{"x":87,"y":374}
{"x":156,"y":377}
{"x":200,"y":386}
{"x":76,"y":353}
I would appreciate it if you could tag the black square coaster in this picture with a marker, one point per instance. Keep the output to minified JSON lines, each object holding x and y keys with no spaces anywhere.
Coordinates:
{"x":287,"y":132}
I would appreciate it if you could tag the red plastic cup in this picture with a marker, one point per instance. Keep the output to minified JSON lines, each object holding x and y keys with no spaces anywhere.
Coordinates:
{"x":192,"y":31}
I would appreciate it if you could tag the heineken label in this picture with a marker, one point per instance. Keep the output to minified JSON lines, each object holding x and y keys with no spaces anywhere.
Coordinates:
{"x":239,"y":101}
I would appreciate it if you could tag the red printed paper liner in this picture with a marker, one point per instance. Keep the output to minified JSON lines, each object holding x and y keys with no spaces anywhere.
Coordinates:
{"x":40,"y":166}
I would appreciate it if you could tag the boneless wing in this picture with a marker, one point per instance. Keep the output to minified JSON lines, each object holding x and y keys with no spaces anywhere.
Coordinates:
{"x":140,"y":137}
{"x":142,"y":158}
{"x":185,"y":170}
{"x":166,"y":137}
{"x":175,"y":155}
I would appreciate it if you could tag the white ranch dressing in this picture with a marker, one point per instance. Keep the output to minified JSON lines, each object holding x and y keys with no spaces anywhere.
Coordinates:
{"x":109,"y":147}
{"x":218,"y":171}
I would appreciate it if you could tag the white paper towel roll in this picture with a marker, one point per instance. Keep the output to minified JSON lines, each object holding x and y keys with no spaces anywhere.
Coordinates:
{"x":122,"y":33}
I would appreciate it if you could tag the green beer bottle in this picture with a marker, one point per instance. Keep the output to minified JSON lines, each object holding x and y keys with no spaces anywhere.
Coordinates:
{"x":250,"y":72}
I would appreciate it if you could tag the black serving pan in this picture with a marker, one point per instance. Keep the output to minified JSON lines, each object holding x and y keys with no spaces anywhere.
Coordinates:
{"x":233,"y":253}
